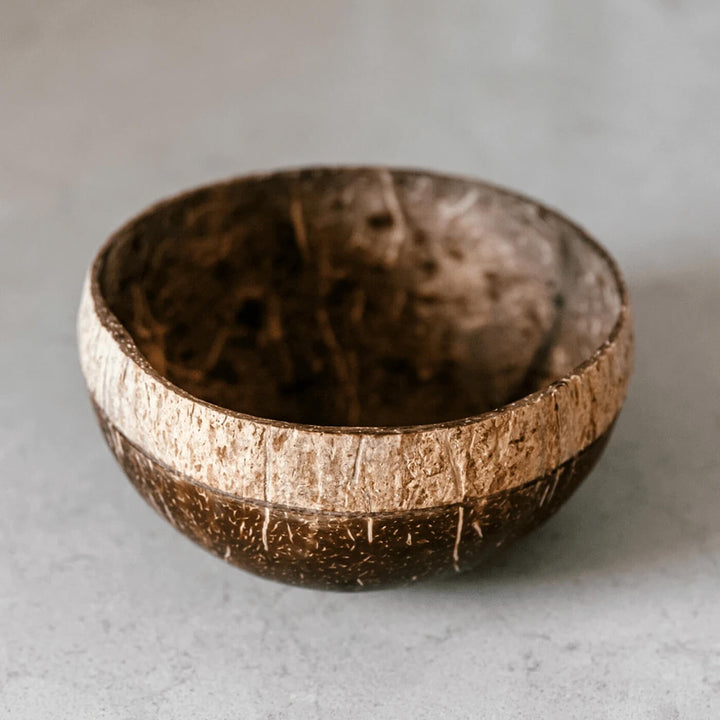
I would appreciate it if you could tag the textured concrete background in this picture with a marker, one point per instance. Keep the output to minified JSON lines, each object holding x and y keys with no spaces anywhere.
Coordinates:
{"x":608,"y":110}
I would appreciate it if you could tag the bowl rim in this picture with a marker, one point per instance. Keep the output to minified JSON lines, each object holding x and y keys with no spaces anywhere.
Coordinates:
{"x":124,"y":339}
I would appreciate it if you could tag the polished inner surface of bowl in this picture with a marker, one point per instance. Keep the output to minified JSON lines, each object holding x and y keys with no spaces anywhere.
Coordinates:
{"x":359,"y":296}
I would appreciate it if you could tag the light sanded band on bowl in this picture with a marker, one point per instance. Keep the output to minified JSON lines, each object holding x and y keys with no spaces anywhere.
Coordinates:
{"x":342,"y":469}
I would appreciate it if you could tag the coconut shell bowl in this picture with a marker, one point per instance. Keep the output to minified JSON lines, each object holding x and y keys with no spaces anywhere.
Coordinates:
{"x":350,"y":378}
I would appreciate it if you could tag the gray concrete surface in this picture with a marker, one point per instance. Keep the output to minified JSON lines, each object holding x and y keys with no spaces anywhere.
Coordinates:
{"x":608,"y":110}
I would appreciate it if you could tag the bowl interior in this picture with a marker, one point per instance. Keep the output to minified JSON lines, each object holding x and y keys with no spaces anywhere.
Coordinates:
{"x":359,"y":296}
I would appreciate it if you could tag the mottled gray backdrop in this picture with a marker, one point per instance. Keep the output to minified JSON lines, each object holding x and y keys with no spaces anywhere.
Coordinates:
{"x":607,"y":110}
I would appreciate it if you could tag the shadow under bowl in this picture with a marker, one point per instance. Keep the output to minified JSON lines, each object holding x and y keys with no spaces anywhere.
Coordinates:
{"x":354,"y":377}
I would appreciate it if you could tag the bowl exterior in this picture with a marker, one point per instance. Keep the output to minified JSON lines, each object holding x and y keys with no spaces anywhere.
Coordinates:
{"x":347,"y":551}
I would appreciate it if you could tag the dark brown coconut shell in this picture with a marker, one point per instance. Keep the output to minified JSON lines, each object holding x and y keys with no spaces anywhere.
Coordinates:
{"x":354,"y":377}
